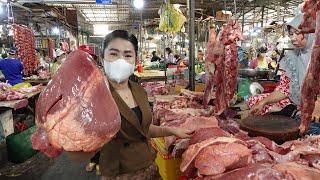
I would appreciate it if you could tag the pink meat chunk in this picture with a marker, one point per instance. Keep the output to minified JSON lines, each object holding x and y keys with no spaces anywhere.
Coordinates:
{"x":207,"y":133}
{"x":216,"y":159}
{"x":76,"y":111}
{"x":192,"y":123}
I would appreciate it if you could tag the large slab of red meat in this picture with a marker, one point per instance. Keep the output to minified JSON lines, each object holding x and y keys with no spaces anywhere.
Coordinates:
{"x":192,"y":152}
{"x":221,"y":66}
{"x":216,"y":159}
{"x":191,"y":123}
{"x":311,"y":84}
{"x":76,"y":111}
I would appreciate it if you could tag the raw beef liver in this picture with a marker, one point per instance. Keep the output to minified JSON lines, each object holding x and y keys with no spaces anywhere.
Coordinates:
{"x":76,"y":111}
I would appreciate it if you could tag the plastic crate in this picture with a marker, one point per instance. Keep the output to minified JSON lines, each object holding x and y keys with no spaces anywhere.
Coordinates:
{"x":169,"y":169}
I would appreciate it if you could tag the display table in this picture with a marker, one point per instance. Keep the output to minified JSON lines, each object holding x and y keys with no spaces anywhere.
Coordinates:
{"x":150,"y":75}
{"x":6,"y":116}
{"x":35,"y":82}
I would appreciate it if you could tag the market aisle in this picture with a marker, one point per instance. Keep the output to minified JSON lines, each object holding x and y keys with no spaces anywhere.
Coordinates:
{"x":41,"y":167}
{"x":63,"y":169}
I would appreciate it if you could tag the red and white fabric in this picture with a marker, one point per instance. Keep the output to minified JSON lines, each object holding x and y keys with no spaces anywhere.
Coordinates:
{"x":283,"y":87}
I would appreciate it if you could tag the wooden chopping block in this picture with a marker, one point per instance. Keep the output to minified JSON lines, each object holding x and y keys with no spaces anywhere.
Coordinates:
{"x":277,"y":128}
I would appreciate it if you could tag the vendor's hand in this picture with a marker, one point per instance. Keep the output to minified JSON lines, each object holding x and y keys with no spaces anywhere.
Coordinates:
{"x":257,"y":109}
{"x":182,"y":132}
{"x":316,"y":112}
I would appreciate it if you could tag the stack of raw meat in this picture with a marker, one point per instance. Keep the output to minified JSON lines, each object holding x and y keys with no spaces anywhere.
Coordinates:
{"x":226,"y":152}
{"x":184,"y":111}
{"x":30,"y":89}
{"x":221,"y":66}
{"x":10,"y":95}
{"x":25,"y":42}
{"x":311,"y":85}
{"x":156,"y":88}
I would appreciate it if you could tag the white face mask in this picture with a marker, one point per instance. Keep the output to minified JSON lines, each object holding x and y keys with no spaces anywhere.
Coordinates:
{"x":118,"y":70}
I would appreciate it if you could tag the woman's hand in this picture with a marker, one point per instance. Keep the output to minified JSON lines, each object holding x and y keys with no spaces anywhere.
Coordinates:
{"x":257,"y":109}
{"x":181,"y":132}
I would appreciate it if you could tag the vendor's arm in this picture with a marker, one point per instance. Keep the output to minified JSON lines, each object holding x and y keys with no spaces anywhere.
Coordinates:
{"x":280,"y":93}
{"x":274,"y":97}
{"x":162,"y":131}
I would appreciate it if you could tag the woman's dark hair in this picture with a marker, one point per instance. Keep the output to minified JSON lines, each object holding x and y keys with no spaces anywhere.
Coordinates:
{"x":122,"y":34}
{"x":168,"y":50}
{"x":262,"y":50}
{"x":154,"y":52}
{"x":177,"y":57}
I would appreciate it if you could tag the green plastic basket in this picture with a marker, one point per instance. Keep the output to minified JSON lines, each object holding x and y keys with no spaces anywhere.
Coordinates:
{"x":19,"y":146}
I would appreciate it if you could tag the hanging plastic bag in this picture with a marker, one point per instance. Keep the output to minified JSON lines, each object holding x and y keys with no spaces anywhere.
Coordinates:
{"x":171,"y":20}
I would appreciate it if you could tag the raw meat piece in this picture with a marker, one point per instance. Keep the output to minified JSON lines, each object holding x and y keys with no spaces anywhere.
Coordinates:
{"x":207,"y":133}
{"x":12,"y":95}
{"x":221,"y":66}
{"x":30,"y":89}
{"x":191,"y":153}
{"x":311,"y":85}
{"x":255,"y":171}
{"x":194,"y":112}
{"x":76,"y":111}
{"x":310,"y":9}
{"x":216,"y":159}
{"x":271,"y":145}
{"x":297,"y":171}
{"x":214,"y":55}
{"x":156,"y":88}
{"x":259,"y":153}
{"x":25,"y":42}
{"x":192,"y":123}
{"x":196,"y":96}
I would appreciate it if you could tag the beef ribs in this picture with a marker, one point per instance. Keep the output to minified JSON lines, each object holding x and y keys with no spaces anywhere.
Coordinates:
{"x":76,"y":111}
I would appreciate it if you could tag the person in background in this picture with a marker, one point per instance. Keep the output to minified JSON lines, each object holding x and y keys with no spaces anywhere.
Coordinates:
{"x":243,"y":61}
{"x":178,"y":58}
{"x":262,"y":61}
{"x":41,"y":57}
{"x":155,"y":57}
{"x":60,"y":58}
{"x":169,"y":57}
{"x":295,"y":64}
{"x":200,"y":56}
{"x":12,"y":68}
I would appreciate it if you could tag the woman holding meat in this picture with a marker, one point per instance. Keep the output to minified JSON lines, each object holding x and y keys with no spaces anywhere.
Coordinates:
{"x":129,"y":155}
{"x":287,"y":95}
